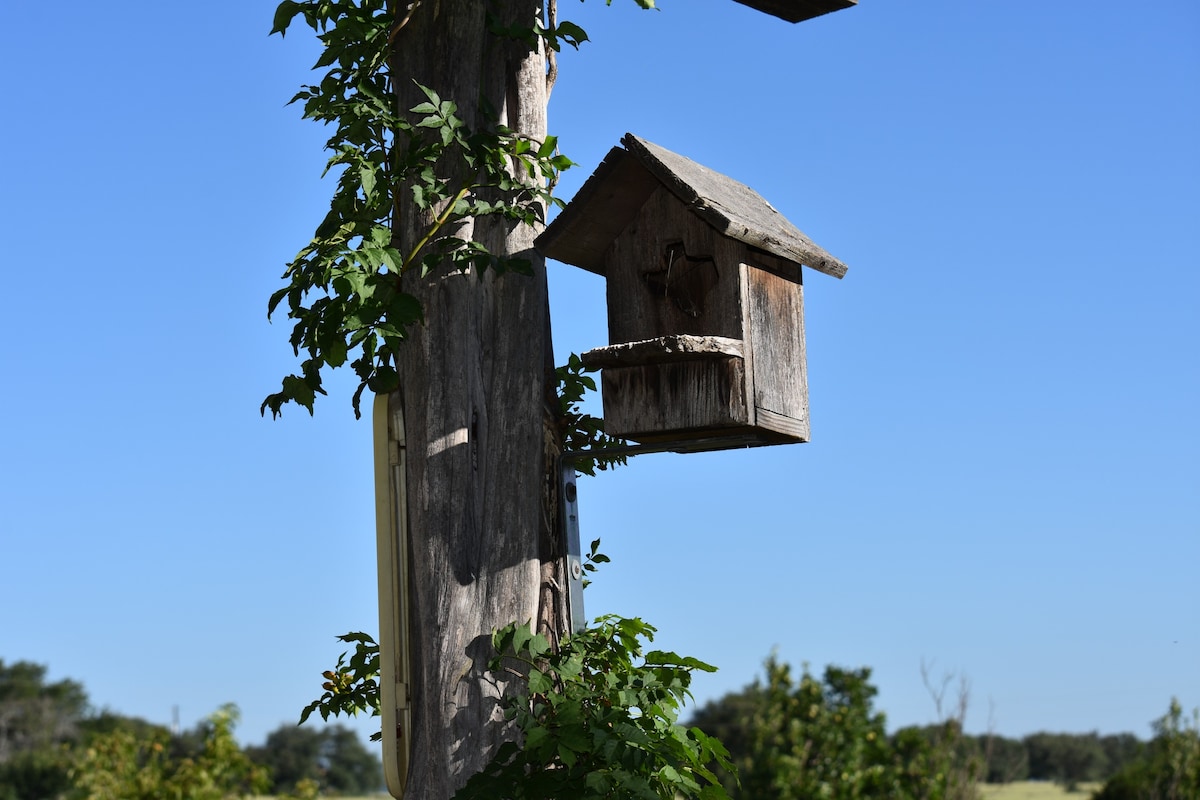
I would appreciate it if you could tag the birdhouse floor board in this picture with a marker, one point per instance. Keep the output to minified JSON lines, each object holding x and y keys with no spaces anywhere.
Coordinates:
{"x":661,"y":350}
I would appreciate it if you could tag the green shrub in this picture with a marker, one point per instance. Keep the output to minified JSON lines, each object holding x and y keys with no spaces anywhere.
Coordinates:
{"x":121,"y":765}
{"x":1169,"y":768}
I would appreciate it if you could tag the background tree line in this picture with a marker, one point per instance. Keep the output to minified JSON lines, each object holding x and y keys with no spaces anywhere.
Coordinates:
{"x":54,"y":745}
{"x":790,"y":737}
{"x":811,"y":737}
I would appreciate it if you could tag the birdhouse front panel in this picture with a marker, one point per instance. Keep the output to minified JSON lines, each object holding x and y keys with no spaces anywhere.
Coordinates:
{"x":670,"y":273}
{"x":703,"y":395}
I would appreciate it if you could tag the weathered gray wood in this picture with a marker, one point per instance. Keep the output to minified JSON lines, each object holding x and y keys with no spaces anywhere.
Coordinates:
{"x":640,"y":267}
{"x":698,"y":396}
{"x":662,"y":350}
{"x":732,"y":208}
{"x":474,"y":390}
{"x":774,"y":309}
{"x":602,"y":208}
{"x":609,"y":200}
{"x":790,"y":430}
{"x":798,"y":10}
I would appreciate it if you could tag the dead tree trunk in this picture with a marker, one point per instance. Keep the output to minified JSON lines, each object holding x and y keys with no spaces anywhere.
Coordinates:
{"x":477,"y":400}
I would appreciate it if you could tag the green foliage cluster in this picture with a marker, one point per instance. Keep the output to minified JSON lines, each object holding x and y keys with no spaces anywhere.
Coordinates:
{"x":1168,"y":768}
{"x":53,"y":746}
{"x":343,"y":288}
{"x":598,"y":719}
{"x":352,"y":686}
{"x":578,"y":430}
{"x":1065,"y":758}
{"x":123,"y":766}
{"x":332,"y":760}
{"x":821,"y":738}
{"x":1068,"y":759}
{"x":40,"y":724}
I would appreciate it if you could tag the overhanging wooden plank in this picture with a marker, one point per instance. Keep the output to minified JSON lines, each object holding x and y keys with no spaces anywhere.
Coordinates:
{"x":798,"y":10}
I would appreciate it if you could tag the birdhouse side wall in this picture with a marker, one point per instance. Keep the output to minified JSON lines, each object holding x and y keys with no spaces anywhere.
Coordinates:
{"x":774,"y":321}
{"x":670,"y":273}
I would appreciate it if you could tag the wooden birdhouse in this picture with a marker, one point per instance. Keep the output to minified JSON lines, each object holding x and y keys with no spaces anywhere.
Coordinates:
{"x":705,"y":301}
{"x":798,"y":10}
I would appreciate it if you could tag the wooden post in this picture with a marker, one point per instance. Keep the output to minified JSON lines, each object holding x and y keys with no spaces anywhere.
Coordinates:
{"x":475,"y":390}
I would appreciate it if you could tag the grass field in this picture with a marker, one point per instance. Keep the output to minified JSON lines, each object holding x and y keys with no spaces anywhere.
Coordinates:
{"x":1036,"y":790}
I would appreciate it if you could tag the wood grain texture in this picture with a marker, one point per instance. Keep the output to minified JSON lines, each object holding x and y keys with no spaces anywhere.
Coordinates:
{"x":610,"y":199}
{"x":774,"y":308}
{"x":662,"y":350}
{"x":638,"y":265}
{"x":693,"y":396}
{"x":475,"y":379}
{"x":732,"y":208}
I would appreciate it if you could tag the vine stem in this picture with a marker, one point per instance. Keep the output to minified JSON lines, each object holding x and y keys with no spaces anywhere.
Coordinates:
{"x":437,"y":225}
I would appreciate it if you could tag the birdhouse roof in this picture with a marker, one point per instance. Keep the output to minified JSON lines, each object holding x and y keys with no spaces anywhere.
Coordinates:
{"x":611,"y":198}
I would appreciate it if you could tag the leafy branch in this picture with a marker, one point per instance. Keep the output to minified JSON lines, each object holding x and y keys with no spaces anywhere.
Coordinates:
{"x":598,"y":719}
{"x":351,"y":687}
{"x":579,"y":430}
{"x":343,"y":289}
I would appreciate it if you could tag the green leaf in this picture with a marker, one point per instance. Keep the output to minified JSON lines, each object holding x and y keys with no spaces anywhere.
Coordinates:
{"x":539,"y":682}
{"x":571,"y":33}
{"x":285,"y":12}
{"x":431,"y":94}
{"x":366,"y":175}
{"x":335,"y":352}
{"x":384,"y":380}
{"x":404,"y":310}
{"x":298,"y":390}
{"x":521,"y":636}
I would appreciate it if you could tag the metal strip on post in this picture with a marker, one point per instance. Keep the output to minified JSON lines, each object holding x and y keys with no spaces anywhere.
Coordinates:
{"x":391,"y":541}
{"x":569,"y":501}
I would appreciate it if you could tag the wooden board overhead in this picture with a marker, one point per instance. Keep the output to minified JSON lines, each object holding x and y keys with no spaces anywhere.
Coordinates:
{"x":798,"y":10}
{"x":610,"y":199}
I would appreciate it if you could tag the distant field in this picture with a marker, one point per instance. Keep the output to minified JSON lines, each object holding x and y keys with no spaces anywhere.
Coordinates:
{"x":1036,"y":790}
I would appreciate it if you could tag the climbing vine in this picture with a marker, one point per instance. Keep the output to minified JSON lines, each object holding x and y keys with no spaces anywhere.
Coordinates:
{"x":343,"y":289}
{"x":596,"y":718}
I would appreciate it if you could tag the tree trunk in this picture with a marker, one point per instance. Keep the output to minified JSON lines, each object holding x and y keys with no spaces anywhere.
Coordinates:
{"x":478,"y":406}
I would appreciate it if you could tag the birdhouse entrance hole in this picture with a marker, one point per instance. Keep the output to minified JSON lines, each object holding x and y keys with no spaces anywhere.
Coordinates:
{"x":684,"y":279}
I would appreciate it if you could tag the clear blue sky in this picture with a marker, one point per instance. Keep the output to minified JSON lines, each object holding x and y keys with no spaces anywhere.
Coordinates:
{"x":1003,"y":479}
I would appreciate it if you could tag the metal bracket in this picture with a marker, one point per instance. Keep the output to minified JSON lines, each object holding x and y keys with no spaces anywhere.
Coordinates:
{"x":569,"y":502}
